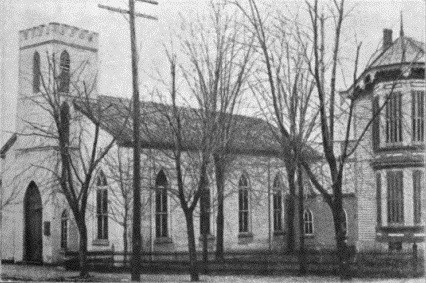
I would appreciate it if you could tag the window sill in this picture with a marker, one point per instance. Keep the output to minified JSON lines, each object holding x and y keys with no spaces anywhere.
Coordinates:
{"x":163,"y":240}
{"x":400,"y":146}
{"x":245,"y":235}
{"x":210,"y":237}
{"x":100,"y":242}
{"x":279,"y":233}
{"x":309,"y":236}
{"x":245,"y":238}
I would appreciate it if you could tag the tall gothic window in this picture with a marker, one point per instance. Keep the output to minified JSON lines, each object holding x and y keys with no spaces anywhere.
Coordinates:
{"x":64,"y":82}
{"x":395,"y":197}
{"x":102,"y":205}
{"x":64,"y":229}
{"x":277,"y":204}
{"x":417,"y":113}
{"x":308,"y":222}
{"x":36,"y":72}
{"x":243,"y":204}
{"x":394,"y":118}
{"x":417,"y":196}
{"x":161,"y":205}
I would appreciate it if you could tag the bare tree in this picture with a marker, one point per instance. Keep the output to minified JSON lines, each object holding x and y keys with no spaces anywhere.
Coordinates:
{"x":323,"y":65}
{"x":179,"y":127}
{"x":219,"y":49}
{"x":9,"y":188}
{"x":119,"y":170}
{"x":75,"y":141}
{"x":284,"y":91}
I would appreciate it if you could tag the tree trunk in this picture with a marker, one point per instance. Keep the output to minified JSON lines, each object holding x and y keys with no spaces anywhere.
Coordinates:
{"x":82,"y":252}
{"x":302,"y":255}
{"x":291,"y":209}
{"x":220,"y":184}
{"x":205,"y":253}
{"x":204,"y":231}
{"x":193,"y":268}
{"x":204,"y":218}
{"x":342,"y":247}
{"x":125,"y":243}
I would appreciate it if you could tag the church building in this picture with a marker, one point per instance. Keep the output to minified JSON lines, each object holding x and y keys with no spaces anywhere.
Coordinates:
{"x":384,"y":204}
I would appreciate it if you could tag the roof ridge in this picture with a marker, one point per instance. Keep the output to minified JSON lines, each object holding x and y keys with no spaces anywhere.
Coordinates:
{"x":185,"y":108}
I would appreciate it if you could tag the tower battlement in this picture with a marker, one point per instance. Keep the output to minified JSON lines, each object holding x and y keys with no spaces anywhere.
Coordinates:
{"x":58,"y":33}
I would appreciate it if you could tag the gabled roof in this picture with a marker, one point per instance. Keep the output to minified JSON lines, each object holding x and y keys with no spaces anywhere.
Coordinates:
{"x":251,"y":135}
{"x":403,"y":50}
{"x":8,"y":145}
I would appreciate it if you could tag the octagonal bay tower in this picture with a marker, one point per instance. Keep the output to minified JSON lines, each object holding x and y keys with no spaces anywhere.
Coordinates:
{"x":31,"y":221}
{"x":389,"y":94}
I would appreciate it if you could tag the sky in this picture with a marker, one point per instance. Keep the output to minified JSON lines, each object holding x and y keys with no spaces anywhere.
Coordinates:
{"x":366,"y":22}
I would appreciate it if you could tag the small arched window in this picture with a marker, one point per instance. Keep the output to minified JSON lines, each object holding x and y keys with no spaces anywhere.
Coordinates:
{"x":36,"y":72}
{"x":277,"y":204}
{"x":243,"y":204}
{"x":101,"y":180}
{"x":308,"y":222}
{"x":64,"y":229}
{"x":102,"y":205}
{"x":64,"y":82}
{"x":161,"y":215}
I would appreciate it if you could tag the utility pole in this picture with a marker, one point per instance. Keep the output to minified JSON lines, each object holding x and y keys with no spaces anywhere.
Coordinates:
{"x":136,"y":235}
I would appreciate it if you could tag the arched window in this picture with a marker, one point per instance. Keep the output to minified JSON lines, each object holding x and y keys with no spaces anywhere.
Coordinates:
{"x":243,"y":204}
{"x":102,"y":205}
{"x":277,"y":204}
{"x":308,"y":222}
{"x":161,"y":205}
{"x":64,"y":83}
{"x":64,"y":229}
{"x":36,"y":72}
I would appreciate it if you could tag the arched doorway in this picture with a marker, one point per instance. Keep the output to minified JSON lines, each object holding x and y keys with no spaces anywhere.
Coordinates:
{"x":33,"y":238}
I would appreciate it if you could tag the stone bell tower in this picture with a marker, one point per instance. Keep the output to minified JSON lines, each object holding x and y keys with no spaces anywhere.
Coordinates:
{"x":53,"y":58}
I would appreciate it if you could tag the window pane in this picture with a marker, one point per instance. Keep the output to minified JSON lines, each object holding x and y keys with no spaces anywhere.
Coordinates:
{"x":105,"y":201}
{"x":105,"y":230}
{"x":417,"y":201}
{"x":99,"y":226}
{"x":98,"y":202}
{"x":161,"y":211}
{"x":379,"y":199}
{"x":395,"y":197}
{"x":65,"y":72}
{"x":36,"y":72}
{"x":376,"y":123}
{"x":164,"y":225}
{"x":157,"y":225}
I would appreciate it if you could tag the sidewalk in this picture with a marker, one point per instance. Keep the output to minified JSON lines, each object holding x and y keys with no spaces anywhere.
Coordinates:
{"x":12,"y":272}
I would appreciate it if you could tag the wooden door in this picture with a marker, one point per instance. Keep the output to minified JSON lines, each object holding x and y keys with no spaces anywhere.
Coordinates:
{"x":33,"y":243}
